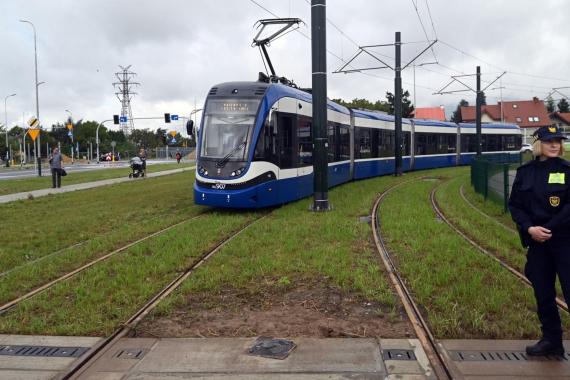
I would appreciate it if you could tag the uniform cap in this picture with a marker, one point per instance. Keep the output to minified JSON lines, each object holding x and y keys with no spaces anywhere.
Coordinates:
{"x":548,"y":133}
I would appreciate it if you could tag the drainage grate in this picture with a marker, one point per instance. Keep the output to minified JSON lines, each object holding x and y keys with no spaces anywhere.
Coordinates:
{"x":43,"y":351}
{"x":130,"y":353}
{"x":398,"y":355}
{"x":272,"y":348}
{"x":502,"y":356}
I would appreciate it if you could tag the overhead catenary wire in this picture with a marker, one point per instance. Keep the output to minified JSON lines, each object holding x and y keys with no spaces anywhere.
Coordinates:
{"x":415,"y":4}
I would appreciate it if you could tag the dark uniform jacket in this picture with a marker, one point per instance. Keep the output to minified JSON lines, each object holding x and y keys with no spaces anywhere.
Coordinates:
{"x":541,"y":197}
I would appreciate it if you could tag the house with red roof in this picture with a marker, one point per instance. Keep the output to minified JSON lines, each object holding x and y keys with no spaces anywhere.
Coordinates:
{"x":430,"y":113}
{"x":529,"y":115}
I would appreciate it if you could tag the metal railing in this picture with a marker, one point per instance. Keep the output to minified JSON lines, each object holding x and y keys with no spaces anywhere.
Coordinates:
{"x":493,"y":176}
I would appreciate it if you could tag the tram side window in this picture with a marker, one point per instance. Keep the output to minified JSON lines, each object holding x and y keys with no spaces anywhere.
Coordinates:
{"x":285,"y":137}
{"x":344,"y":143}
{"x":407,"y":138}
{"x":362,"y":143}
{"x":491,"y":143}
{"x":426,"y":143}
{"x":374,"y":143}
{"x":386,"y":143}
{"x":509,"y":142}
{"x":305,"y":141}
{"x":266,"y":148}
{"x":446,"y":143}
{"x":468,"y":143}
{"x":332,"y":148}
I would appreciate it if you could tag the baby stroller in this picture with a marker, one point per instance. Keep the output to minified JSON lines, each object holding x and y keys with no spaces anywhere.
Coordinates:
{"x":137,"y":166}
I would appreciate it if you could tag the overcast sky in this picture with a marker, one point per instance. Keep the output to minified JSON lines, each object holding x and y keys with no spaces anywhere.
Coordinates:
{"x":181,"y":48}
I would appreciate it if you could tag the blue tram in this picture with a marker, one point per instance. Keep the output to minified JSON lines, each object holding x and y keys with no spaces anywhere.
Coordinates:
{"x":254,"y":145}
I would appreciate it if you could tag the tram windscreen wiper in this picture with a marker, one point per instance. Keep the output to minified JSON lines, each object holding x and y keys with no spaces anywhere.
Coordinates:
{"x":223,"y":161}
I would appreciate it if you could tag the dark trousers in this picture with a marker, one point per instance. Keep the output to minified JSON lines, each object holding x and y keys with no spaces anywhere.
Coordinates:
{"x":544,"y":262}
{"x":55,"y":177}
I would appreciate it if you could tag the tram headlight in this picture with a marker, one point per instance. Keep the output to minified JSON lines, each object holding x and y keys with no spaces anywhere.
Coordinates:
{"x":237,"y":172}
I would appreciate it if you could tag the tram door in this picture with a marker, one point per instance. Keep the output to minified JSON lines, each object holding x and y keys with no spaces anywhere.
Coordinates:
{"x":304,"y":150}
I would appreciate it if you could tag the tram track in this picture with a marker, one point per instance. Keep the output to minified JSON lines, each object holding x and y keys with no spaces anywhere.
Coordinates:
{"x":464,"y":197}
{"x":561,"y":304}
{"x":436,"y":356}
{"x":8,"y":305}
{"x":82,"y":364}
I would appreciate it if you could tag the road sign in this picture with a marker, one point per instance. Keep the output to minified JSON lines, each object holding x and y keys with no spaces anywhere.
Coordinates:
{"x":173,"y":117}
{"x":123,"y":119}
{"x":69,"y":126}
{"x":113,"y":144}
{"x":173,"y":133}
{"x":33,"y":122}
{"x":33,"y":132}
{"x":70,"y":134}
{"x":173,"y":141}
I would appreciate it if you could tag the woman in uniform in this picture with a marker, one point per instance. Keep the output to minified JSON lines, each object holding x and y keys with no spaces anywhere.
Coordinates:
{"x":540,"y":206}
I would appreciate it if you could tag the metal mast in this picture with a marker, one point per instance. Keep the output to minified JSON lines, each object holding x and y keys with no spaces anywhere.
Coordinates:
{"x":125,"y":93}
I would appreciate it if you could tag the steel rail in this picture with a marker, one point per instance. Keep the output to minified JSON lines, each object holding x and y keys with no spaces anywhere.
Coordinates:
{"x":461,"y":192}
{"x":81,"y":365}
{"x":561,"y":304}
{"x":8,"y":305}
{"x":437,"y":357}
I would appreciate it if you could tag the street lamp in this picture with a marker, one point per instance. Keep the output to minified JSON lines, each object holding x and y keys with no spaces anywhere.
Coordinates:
{"x":6,"y":126}
{"x":37,"y":97}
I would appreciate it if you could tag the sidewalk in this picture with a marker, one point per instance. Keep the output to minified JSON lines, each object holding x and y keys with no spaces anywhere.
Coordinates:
{"x":83,"y":186}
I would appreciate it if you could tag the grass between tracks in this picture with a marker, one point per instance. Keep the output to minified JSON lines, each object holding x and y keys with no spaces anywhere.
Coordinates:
{"x":484,"y":231}
{"x":36,"y":244}
{"x":98,"y":300}
{"x":295,"y":247}
{"x":10,"y":186}
{"x":463,"y":293}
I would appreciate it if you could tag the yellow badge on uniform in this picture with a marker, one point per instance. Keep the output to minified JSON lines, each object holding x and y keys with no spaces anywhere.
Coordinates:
{"x":552,"y":129}
{"x":556,"y":178}
{"x":554,"y":201}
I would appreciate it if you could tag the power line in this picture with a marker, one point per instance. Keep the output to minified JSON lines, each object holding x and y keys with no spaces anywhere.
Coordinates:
{"x":431,"y":19}
{"x":415,"y":4}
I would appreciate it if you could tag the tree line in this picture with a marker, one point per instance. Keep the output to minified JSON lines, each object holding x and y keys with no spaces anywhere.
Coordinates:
{"x":84,"y":134}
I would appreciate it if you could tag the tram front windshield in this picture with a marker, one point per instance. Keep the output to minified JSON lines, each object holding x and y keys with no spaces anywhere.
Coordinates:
{"x":228,"y":126}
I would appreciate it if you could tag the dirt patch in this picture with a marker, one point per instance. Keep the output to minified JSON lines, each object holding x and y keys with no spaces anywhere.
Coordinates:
{"x":302,"y":311}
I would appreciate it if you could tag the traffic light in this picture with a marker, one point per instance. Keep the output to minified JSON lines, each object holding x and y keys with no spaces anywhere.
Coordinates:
{"x":115,"y":119}
{"x":167,"y":118}
{"x":190,"y":127}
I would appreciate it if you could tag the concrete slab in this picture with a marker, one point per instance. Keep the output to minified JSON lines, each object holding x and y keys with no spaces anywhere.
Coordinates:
{"x":538,"y":368}
{"x":420,"y":367}
{"x":265,"y":376}
{"x":40,"y":368}
{"x":224,"y":355}
{"x":27,"y":375}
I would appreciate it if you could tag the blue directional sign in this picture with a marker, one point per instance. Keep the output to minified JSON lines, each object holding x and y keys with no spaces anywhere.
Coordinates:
{"x":123,"y":119}
{"x":173,"y":141}
{"x":70,"y":134}
{"x":174,"y":117}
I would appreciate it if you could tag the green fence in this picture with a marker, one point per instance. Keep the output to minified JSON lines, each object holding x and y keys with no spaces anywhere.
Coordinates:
{"x":493,"y":177}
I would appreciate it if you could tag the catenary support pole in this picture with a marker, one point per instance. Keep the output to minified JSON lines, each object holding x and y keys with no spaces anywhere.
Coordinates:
{"x":478,"y":112}
{"x":398,"y":107}
{"x":319,"y":83}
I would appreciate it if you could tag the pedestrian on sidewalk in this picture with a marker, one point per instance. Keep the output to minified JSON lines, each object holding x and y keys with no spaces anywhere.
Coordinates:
{"x":142,"y":156}
{"x":55,"y":164}
{"x":540,"y":206}
{"x":178,"y":156}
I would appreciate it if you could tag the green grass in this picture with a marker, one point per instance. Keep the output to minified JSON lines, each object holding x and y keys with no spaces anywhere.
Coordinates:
{"x":98,"y":300}
{"x":464,"y":294}
{"x":103,"y":219}
{"x":506,"y":245}
{"x":11,"y":186}
{"x":296,"y":247}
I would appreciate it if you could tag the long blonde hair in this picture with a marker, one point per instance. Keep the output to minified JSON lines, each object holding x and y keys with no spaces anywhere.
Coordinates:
{"x":537,"y":148}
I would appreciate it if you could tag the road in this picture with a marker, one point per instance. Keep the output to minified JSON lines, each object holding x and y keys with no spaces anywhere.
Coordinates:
{"x":13,"y":173}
